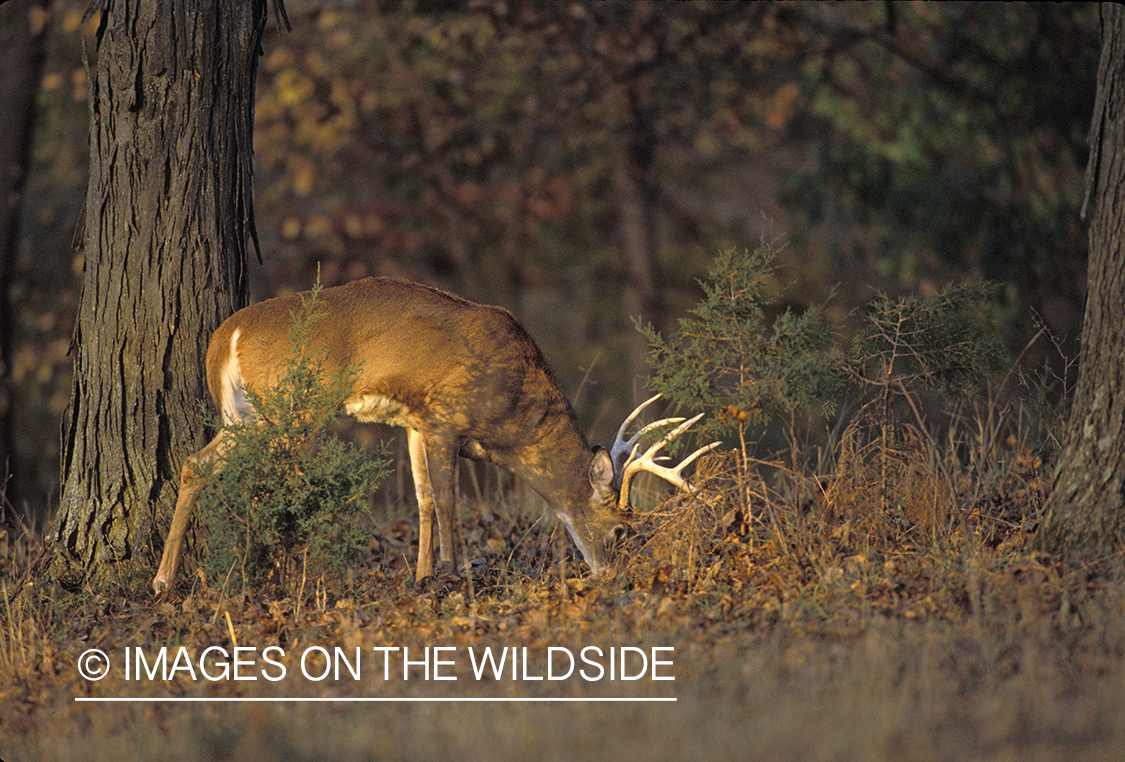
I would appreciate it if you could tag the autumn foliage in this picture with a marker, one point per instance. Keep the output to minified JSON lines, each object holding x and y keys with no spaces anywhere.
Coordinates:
{"x":891,"y":576}
{"x":854,"y":577}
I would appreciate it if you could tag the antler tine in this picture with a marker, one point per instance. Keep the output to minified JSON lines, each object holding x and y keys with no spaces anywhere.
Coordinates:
{"x":620,"y":445}
{"x":629,"y":446}
{"x":686,"y":485}
{"x":647,"y":461}
{"x":623,"y":449}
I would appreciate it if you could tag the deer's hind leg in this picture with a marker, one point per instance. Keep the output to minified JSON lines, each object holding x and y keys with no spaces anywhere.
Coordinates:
{"x":191,"y":482}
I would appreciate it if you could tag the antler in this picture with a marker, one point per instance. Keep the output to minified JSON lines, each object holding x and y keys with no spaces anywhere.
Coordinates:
{"x":648,"y":461}
{"x":622,"y":449}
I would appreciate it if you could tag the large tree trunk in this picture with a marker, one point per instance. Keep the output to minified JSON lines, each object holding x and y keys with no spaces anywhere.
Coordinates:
{"x":21,"y":58}
{"x":1085,"y":516}
{"x":167,"y":224}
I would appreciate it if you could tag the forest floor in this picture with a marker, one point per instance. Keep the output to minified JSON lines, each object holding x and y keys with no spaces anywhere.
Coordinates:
{"x":792,"y":633}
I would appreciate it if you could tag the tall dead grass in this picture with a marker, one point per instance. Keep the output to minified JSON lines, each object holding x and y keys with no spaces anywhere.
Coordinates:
{"x":885,"y":609}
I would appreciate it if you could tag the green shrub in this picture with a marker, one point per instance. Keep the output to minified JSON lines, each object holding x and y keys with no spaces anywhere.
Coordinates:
{"x":748,"y":362}
{"x":892,"y":476}
{"x":290,"y":499}
{"x":752,"y":365}
{"x":737,"y":357}
{"x":942,"y":343}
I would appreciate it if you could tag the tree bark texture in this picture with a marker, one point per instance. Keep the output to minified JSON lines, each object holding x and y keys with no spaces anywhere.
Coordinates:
{"x":1085,"y":515}
{"x":168,"y":220}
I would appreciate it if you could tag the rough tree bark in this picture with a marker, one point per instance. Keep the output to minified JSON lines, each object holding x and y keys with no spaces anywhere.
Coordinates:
{"x":1085,"y":515}
{"x":168,"y":220}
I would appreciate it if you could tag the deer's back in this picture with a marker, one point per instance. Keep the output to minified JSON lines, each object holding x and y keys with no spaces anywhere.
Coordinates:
{"x":417,"y":352}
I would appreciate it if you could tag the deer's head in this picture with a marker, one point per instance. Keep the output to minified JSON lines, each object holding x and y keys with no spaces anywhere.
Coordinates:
{"x":603,"y":527}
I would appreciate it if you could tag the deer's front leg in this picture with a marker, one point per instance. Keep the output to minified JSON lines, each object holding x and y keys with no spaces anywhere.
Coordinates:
{"x":419,"y":468}
{"x":433,"y":462}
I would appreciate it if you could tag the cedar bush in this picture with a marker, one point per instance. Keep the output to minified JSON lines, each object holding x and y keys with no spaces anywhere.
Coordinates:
{"x":290,"y":499}
{"x":875,"y":394}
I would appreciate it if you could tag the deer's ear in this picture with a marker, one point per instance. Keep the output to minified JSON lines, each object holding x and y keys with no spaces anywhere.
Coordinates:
{"x":601,"y":470}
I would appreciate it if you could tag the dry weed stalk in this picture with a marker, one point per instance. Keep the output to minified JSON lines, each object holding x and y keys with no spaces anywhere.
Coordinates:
{"x":886,"y":484}
{"x":26,"y":642}
{"x":687,"y":534}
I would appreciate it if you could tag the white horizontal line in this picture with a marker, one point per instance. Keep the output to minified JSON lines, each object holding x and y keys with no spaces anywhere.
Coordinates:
{"x":369,"y":699}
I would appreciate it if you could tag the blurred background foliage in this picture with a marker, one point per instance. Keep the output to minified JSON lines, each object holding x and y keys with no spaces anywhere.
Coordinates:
{"x":582,"y":163}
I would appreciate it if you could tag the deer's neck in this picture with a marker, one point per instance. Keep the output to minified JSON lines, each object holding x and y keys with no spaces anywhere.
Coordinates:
{"x":556,"y":462}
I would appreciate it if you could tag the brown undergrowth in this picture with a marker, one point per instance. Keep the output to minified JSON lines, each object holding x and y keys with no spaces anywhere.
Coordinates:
{"x":890,"y":609}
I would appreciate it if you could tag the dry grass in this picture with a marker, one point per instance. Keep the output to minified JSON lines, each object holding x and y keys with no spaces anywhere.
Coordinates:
{"x":891,"y":611}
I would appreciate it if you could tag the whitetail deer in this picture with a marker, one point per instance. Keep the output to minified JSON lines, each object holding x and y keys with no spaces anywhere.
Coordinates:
{"x":462,"y":378}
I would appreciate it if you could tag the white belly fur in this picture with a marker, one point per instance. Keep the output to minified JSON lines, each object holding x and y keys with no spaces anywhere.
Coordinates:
{"x":374,"y":408}
{"x":368,"y":408}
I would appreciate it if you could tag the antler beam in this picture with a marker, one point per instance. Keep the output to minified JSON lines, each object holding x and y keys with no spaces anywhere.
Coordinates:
{"x":631,"y":464}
